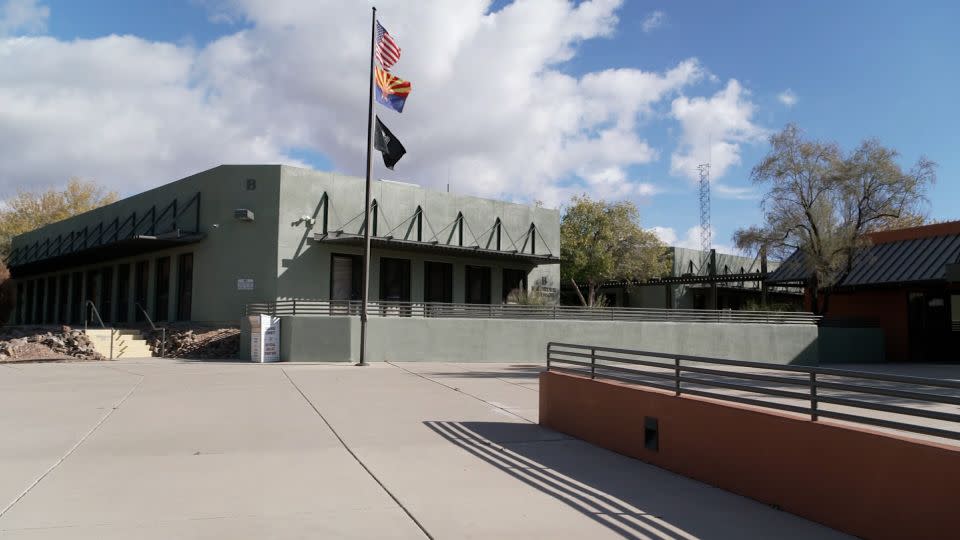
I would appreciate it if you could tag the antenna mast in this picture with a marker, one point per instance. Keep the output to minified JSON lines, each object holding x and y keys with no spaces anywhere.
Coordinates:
{"x":705,"y":236}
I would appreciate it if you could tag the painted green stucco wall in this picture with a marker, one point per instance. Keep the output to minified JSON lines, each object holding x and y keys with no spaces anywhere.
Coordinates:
{"x":277,"y":249}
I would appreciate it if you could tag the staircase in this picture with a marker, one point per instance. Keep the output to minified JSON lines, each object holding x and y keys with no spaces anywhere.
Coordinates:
{"x":115,"y":344}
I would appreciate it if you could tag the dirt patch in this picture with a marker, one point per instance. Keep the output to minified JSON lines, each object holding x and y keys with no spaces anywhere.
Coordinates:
{"x":197,"y":342}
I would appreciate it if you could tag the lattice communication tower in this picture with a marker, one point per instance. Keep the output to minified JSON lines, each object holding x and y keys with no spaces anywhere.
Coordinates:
{"x":705,"y":235}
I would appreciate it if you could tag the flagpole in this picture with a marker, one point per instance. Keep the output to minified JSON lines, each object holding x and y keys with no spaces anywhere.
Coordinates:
{"x":366,"y":207}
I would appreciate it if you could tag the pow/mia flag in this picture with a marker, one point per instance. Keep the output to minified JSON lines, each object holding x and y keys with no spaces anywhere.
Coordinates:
{"x":388,"y":145}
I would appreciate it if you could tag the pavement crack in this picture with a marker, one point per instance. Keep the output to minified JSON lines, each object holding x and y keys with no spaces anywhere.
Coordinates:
{"x":457,"y":389}
{"x":72,"y":449}
{"x":357,"y":458}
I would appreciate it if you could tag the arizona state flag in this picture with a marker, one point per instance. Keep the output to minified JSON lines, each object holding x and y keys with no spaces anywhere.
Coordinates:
{"x":392,"y":91}
{"x":388,"y":145}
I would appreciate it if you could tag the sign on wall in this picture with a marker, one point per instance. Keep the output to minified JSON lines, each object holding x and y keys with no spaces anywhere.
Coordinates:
{"x":265,"y":339}
{"x":245,"y":284}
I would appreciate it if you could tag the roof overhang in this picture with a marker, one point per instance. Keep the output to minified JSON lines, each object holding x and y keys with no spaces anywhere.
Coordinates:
{"x":125,"y":247}
{"x":434,"y":247}
{"x":953,"y":273}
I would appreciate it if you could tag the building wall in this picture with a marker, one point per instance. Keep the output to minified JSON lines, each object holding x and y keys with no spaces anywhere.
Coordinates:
{"x":231,"y":249}
{"x":885,"y":308}
{"x":303,"y":265}
{"x":277,"y":250}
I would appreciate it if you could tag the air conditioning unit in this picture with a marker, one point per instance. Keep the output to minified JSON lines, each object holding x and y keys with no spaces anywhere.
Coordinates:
{"x":243,"y":214}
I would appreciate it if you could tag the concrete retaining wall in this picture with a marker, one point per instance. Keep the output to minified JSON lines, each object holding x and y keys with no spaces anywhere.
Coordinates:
{"x":862,"y":482}
{"x":337,"y":339}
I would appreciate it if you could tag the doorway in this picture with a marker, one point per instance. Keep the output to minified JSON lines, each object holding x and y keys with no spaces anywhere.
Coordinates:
{"x":437,"y":282}
{"x":929,"y":326}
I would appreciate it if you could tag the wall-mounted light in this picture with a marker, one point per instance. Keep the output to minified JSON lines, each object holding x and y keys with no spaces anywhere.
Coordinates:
{"x":243,"y":214}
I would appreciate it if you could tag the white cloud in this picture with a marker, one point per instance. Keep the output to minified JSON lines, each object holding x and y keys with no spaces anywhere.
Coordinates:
{"x":725,"y":191}
{"x":22,"y":16}
{"x":489,"y":100}
{"x":713,"y":129}
{"x":653,"y":21}
{"x":787,"y":98}
{"x":117,"y":109}
{"x":690,"y":239}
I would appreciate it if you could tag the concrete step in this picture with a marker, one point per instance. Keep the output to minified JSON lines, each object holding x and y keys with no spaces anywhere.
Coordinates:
{"x":125,"y":343}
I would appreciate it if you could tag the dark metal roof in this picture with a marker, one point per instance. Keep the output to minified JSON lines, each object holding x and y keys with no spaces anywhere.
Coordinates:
{"x":124,"y":247}
{"x":381,"y":242}
{"x":902,"y":261}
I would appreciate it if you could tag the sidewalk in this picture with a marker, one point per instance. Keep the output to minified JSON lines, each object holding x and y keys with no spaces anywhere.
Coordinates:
{"x":161,"y":449}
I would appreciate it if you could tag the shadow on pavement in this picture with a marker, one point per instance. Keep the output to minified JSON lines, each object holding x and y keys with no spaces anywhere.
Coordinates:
{"x":512,"y":372}
{"x":560,"y":467}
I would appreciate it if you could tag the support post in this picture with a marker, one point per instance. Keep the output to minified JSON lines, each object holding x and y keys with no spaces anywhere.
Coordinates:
{"x":713,"y":283}
{"x":593,"y":363}
{"x":763,"y":279}
{"x":676,"y":375}
{"x":366,"y":206}
{"x":813,"y":397}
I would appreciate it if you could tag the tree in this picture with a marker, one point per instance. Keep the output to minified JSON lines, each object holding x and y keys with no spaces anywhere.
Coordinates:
{"x":824,"y":204}
{"x":30,"y":210}
{"x":601,"y":241}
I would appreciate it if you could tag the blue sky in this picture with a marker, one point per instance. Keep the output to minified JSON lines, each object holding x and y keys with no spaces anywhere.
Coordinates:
{"x":855,"y":69}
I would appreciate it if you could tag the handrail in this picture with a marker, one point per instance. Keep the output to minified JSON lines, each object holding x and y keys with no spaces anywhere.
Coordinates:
{"x":163,"y":329}
{"x":86,"y":319}
{"x":95,"y":312}
{"x":674,"y":373}
{"x":382,"y":308}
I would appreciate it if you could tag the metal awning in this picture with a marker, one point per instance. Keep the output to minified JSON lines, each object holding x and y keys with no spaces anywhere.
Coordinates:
{"x":124,"y":247}
{"x":903,"y":261}
{"x":387,"y":242}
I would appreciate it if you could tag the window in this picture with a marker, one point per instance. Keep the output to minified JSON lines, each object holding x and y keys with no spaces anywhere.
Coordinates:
{"x":346,"y":277}
{"x":184,"y":286}
{"x":89,"y":293}
{"x":437,"y":282}
{"x":76,"y":296}
{"x":106,"y":294}
{"x":395,"y":280}
{"x":20,"y":303}
{"x":31,"y":291}
{"x":955,"y":312}
{"x":123,"y":292}
{"x":477,"y":285}
{"x":513,"y":281}
{"x":141,"y":282}
{"x":51,"y":300}
{"x":161,"y":292}
{"x":63,"y":299}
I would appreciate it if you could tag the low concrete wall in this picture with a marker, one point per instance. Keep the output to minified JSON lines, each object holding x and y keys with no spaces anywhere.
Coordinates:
{"x":336,"y":339}
{"x":850,"y":345}
{"x":858,"y":481}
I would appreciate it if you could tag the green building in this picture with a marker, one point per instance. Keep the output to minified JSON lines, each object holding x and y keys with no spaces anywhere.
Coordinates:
{"x":201,"y":248}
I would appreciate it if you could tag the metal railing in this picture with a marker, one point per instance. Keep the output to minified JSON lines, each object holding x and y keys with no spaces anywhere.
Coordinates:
{"x":163,"y":329}
{"x":92,"y":308}
{"x":797,"y":389}
{"x":299,"y":307}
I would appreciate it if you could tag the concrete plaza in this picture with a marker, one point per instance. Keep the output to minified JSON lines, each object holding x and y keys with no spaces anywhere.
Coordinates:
{"x":167,"y":449}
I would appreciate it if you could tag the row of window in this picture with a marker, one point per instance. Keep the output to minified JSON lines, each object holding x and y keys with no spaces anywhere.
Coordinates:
{"x":346,"y":281}
{"x":63,"y":299}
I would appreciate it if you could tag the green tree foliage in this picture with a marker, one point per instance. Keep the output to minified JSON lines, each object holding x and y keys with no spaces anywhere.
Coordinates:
{"x":825,"y":203}
{"x":31,"y":210}
{"x":602,"y":241}
{"x":28,"y":210}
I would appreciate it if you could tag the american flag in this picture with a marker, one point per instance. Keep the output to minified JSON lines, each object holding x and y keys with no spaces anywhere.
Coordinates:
{"x":386,"y":51}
